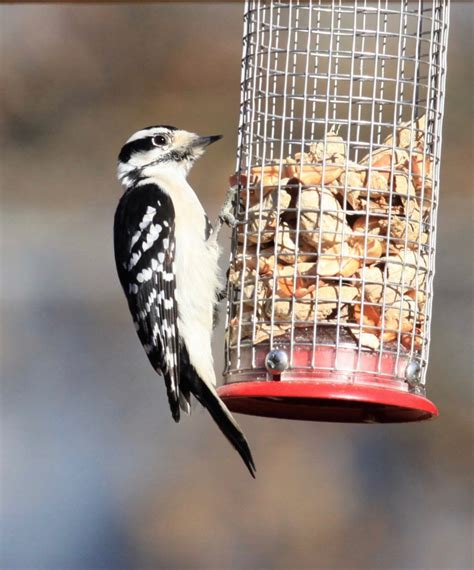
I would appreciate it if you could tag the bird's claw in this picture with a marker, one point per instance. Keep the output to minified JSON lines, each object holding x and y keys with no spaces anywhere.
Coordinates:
{"x":225,"y":215}
{"x":228,"y":218}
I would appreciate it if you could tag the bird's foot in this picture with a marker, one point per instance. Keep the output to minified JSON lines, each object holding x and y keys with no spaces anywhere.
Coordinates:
{"x":225,"y":215}
{"x":228,"y":218}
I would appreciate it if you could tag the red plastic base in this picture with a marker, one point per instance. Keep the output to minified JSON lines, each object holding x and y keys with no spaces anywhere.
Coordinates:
{"x":326,"y":401}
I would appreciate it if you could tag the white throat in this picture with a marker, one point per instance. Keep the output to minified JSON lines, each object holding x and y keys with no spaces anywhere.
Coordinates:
{"x":170,"y":171}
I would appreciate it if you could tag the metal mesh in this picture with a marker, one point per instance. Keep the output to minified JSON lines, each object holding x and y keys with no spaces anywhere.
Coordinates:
{"x":338,"y":175}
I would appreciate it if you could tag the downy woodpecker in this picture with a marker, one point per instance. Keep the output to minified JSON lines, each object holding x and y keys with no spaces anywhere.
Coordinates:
{"x":167,"y":262}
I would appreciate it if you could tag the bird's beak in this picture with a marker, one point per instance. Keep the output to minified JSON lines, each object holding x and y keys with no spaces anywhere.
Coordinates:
{"x":202,"y":142}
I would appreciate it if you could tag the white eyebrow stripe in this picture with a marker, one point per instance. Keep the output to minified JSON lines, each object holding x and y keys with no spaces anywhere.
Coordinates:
{"x":147,"y":133}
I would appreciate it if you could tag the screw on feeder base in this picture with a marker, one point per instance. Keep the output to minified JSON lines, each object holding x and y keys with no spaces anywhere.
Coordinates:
{"x":413,"y":373}
{"x":276,"y":361}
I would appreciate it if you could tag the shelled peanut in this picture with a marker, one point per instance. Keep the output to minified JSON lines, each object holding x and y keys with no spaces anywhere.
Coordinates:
{"x":332,"y":241}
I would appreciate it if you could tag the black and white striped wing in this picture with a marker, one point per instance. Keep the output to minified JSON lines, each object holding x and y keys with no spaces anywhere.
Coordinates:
{"x":144,"y":253}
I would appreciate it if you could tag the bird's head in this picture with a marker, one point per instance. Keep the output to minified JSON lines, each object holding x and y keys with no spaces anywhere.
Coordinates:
{"x":160,"y":148}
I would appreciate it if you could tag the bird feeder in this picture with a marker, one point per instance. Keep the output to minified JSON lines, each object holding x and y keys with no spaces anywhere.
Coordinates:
{"x":337,"y":179}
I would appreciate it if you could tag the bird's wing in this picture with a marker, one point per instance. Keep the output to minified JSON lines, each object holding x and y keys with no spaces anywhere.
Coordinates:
{"x":145,"y":245}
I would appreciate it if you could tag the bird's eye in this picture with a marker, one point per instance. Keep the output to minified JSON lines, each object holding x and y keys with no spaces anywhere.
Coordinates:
{"x":159,"y":140}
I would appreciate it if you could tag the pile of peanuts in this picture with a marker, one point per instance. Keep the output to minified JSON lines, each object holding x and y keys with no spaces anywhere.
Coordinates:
{"x":325,"y":239}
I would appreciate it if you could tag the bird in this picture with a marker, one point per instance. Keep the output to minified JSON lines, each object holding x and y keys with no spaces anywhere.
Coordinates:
{"x":167,"y":261}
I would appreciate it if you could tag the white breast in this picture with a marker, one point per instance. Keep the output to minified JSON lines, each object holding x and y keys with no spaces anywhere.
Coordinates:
{"x":197,"y":273}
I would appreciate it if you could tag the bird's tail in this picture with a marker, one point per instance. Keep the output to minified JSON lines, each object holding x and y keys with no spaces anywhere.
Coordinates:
{"x":207,"y":396}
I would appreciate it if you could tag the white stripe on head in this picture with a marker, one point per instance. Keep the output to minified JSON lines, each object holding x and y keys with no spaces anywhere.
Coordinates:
{"x":147,"y":133}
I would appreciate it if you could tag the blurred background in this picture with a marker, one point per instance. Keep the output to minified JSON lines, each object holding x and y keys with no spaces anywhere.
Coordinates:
{"x":95,"y":472}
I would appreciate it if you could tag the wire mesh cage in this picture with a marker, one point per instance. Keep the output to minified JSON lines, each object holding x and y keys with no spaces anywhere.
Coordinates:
{"x":330,"y":283}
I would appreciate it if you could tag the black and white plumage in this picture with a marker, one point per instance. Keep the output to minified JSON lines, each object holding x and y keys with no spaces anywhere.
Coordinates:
{"x":167,"y":261}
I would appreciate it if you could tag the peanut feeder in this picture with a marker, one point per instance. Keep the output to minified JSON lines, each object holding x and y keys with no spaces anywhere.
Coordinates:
{"x":337,"y":178}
